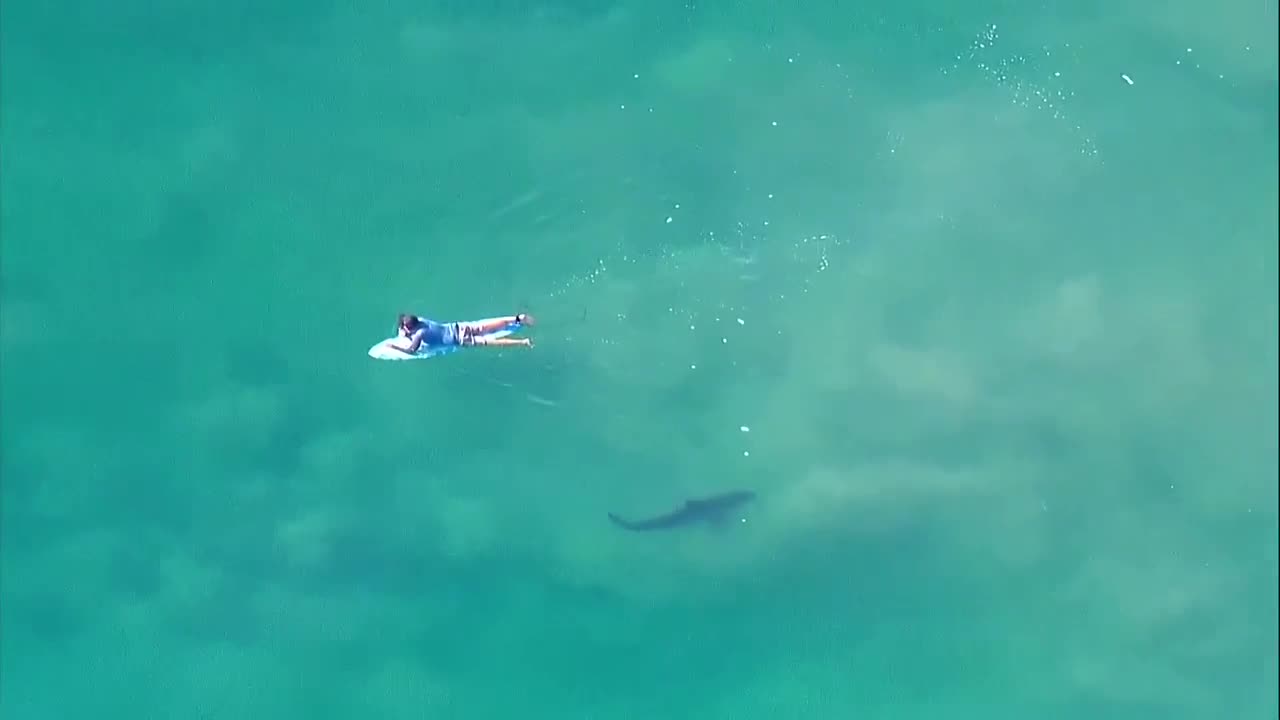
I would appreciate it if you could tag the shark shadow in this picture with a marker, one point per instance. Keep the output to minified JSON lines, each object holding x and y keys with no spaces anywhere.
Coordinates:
{"x":710,"y":510}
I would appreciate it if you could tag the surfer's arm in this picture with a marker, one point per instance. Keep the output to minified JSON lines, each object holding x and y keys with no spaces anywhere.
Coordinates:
{"x":415,"y":342}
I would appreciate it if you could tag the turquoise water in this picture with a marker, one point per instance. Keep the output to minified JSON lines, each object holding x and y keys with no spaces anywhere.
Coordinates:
{"x":980,"y":300}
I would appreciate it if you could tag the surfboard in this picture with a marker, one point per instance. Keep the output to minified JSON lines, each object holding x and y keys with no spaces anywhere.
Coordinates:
{"x":385,"y":350}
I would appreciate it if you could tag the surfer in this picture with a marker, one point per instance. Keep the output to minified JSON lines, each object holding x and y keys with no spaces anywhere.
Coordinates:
{"x":421,"y":331}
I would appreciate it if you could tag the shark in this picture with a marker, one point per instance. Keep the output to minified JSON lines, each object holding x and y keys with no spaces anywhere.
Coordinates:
{"x":711,"y":510}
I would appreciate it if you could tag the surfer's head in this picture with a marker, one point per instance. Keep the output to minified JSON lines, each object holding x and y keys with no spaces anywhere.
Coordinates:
{"x":408,"y":321}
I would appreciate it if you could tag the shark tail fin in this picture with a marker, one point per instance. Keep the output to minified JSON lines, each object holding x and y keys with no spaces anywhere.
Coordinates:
{"x":620,"y":522}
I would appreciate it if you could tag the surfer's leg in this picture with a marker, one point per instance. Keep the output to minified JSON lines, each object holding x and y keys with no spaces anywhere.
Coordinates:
{"x":467,"y":333}
{"x":484,"y":327}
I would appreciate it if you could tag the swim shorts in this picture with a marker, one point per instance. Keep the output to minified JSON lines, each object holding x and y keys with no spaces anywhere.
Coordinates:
{"x":465,"y":332}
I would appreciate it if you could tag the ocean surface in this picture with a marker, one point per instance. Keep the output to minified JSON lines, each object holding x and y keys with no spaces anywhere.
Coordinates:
{"x":979,"y":298}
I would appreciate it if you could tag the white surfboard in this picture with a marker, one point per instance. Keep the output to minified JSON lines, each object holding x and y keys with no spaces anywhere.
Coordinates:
{"x":385,"y":350}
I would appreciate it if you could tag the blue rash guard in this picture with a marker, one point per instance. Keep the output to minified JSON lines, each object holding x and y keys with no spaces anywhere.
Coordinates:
{"x":436,"y":334}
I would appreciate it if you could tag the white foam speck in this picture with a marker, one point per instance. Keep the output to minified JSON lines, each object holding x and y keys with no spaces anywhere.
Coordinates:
{"x":741,"y":321}
{"x":1127,"y":79}
{"x":670,"y":219}
{"x":744,"y":428}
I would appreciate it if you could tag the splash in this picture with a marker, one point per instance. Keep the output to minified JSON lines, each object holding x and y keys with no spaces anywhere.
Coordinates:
{"x":576,"y":281}
{"x":1014,"y":72}
{"x":716,"y":310}
{"x":745,"y":253}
